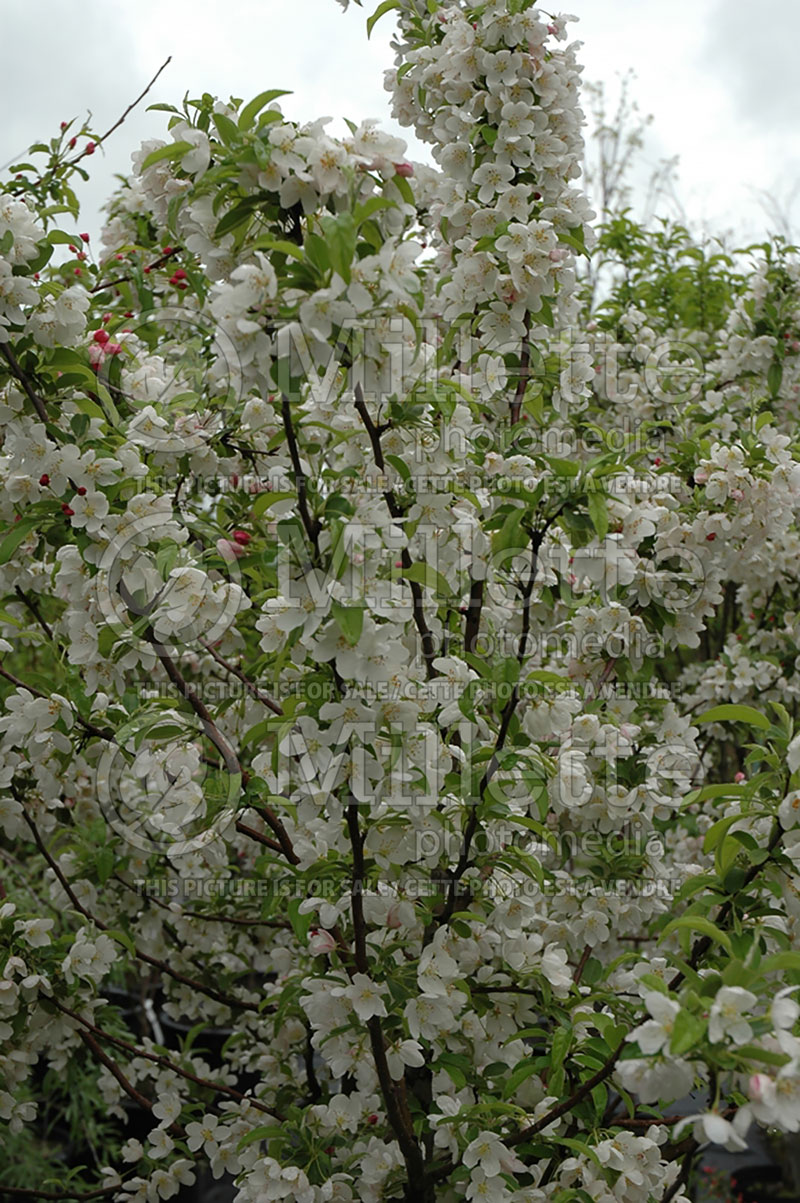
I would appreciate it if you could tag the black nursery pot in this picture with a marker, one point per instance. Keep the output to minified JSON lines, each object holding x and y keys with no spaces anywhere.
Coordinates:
{"x":129,"y":1006}
{"x":761,"y":1184}
{"x":208,"y":1044}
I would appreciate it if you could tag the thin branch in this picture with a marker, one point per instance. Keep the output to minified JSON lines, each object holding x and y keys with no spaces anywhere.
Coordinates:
{"x":474,"y":609}
{"x":393,"y":1092}
{"x":224,"y":999}
{"x":162,"y":259}
{"x":100,"y":732}
{"x":251,"y":688}
{"x":99,"y":141}
{"x":396,"y":511}
{"x":311,"y":525}
{"x":524,"y":372}
{"x":164,"y":1062}
{"x":34,"y":398}
{"x":587,"y":952}
{"x":701,"y":946}
{"x":34,"y":609}
{"x":115,"y":1070}
{"x":232,"y":762}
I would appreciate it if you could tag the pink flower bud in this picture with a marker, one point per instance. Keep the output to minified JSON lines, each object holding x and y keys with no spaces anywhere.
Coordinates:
{"x":758,"y":1086}
{"x":404,"y":169}
{"x":321,"y":943}
{"x":229,"y":550}
{"x":700,"y":476}
{"x":739,"y":777}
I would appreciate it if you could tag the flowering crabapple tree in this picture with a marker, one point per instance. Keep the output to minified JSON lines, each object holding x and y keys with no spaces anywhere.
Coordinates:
{"x":398,"y":658}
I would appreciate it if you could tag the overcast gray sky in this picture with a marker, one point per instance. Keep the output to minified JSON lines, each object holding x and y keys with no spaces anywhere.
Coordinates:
{"x":719,"y":77}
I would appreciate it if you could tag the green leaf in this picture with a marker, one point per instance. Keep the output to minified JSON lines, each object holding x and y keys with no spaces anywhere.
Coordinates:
{"x":124,"y":939}
{"x":423,"y":574}
{"x":175,"y":150}
{"x":781,"y":962}
{"x":16,"y":535}
{"x":340,"y":236}
{"x":752,"y":1052}
{"x":228,"y":130}
{"x":598,"y":512}
{"x":718,"y":831}
{"x":350,"y":621}
{"x":383,"y":8}
{"x":688,"y":1030}
{"x":404,"y":188}
{"x":104,"y":862}
{"x":264,"y":1132}
{"x":563,"y":467}
{"x":280,"y":246}
{"x":254,"y":107}
{"x":510,"y":534}
{"x":399,"y":465}
{"x":363,"y":212}
{"x":775,"y":378}
{"x":698,"y":923}
{"x":265,"y":500}
{"x":735,"y":714}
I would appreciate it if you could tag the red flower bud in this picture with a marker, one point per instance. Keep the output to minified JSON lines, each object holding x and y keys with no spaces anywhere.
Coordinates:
{"x":44,"y":479}
{"x":81,"y":491}
{"x":89,"y":148}
{"x":73,"y":142}
{"x":242,"y":536}
{"x":65,"y":509}
{"x":710,"y":538}
{"x":85,"y":237}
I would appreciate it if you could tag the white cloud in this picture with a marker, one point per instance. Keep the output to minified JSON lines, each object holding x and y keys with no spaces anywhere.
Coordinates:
{"x":718,"y":79}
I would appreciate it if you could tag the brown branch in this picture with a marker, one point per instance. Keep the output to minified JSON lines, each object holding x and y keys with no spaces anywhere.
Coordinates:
{"x":701,"y":946}
{"x":257,"y":837}
{"x":115,"y":1070}
{"x":396,"y":511}
{"x":232,"y":762}
{"x":443,"y":1171}
{"x":474,"y":608}
{"x":251,"y":688}
{"x":524,"y":366}
{"x":99,"y":141}
{"x":162,"y":259}
{"x":34,"y":609}
{"x":164,"y":1062}
{"x":34,"y":398}
{"x":311,"y":524}
{"x":22,"y":1192}
{"x":587,"y":952}
{"x":393,"y":1092}
{"x":100,"y":732}
{"x":224,"y":999}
